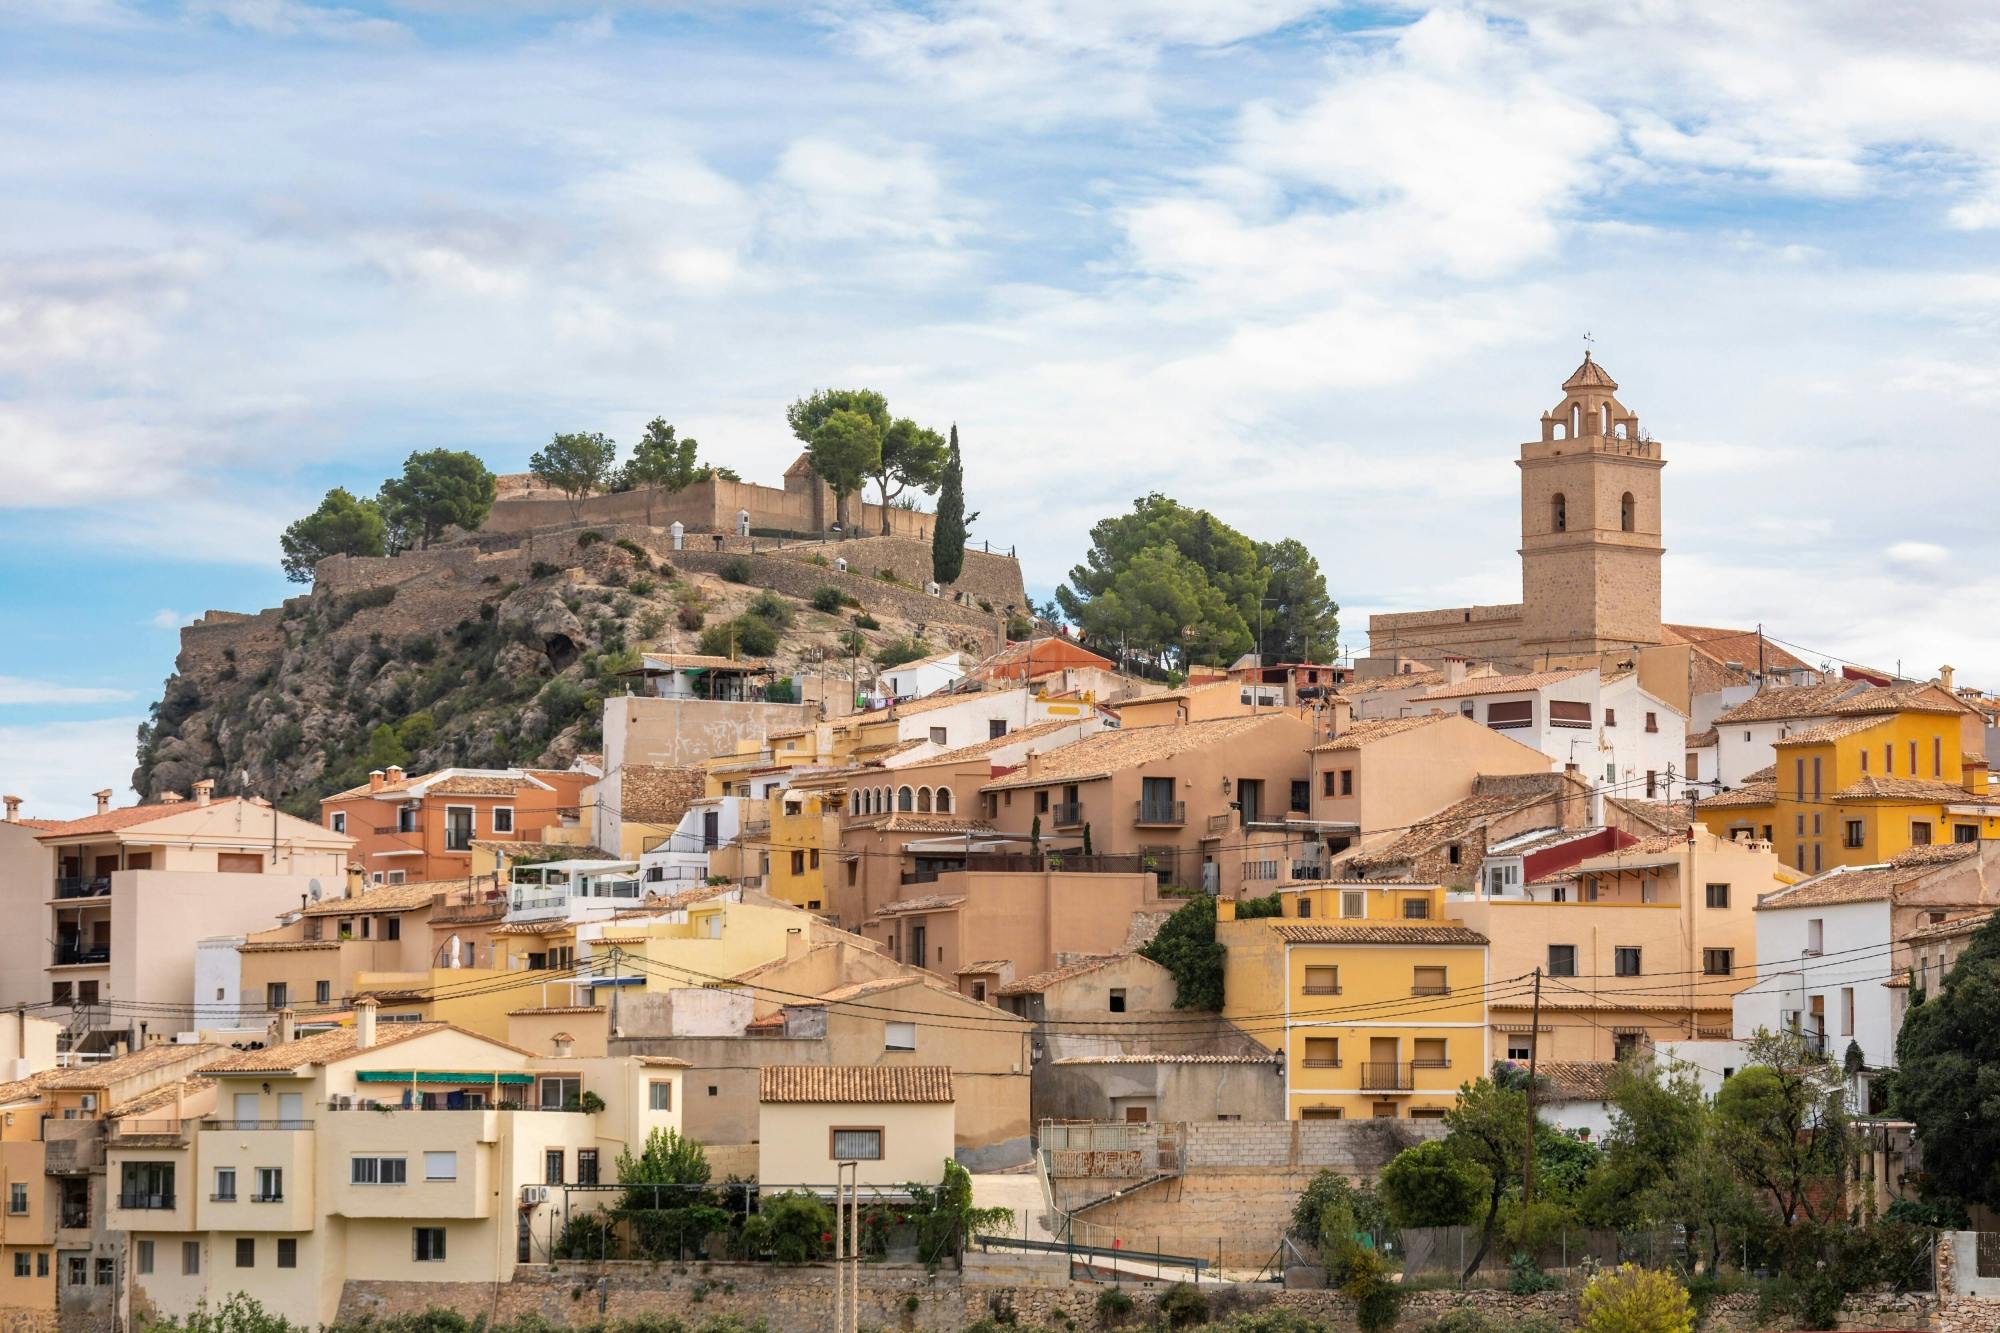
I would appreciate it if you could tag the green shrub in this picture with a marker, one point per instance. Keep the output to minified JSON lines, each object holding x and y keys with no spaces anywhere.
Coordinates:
{"x":542,"y":569}
{"x":828,"y":598}
{"x":737,"y":570}
{"x":898,"y":651}
{"x":862,"y":620}
{"x":643,"y":586}
{"x":588,"y":537}
{"x":768,"y":605}
{"x":887,"y":575}
{"x":790,"y":1228}
{"x":1020,"y":627}
{"x":1113,"y":1306}
{"x":1183,"y":1306}
{"x":633,"y":549}
{"x":747,"y":636}
{"x":1635,"y":1300}
{"x":690,"y":616}
{"x":1526,"y":1278}
{"x":781,"y":691}
{"x":1377,"y":1299}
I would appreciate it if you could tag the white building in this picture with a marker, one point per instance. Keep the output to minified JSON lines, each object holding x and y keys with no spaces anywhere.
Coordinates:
{"x":1615,"y":733}
{"x":926,"y":675}
{"x":953,"y":721}
{"x":573,"y":890}
{"x":680,"y":860}
{"x":1746,"y":735}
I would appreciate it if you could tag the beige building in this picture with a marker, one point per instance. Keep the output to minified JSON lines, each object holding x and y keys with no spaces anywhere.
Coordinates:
{"x":313,"y":960}
{"x":134,"y":889}
{"x":409,"y":1151}
{"x":894,"y":1124}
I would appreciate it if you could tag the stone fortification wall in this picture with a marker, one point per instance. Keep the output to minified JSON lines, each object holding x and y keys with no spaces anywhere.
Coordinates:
{"x":796,"y":578}
{"x":1031,"y":1290}
{"x":803,"y":505}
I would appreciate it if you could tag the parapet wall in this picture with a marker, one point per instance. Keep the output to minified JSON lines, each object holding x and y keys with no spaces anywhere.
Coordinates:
{"x":804,"y":505}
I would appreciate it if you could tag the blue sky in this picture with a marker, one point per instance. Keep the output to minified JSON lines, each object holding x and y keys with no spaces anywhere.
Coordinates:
{"x":1319,"y":268}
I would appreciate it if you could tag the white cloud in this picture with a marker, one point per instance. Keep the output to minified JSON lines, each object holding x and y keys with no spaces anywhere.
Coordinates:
{"x":1926,"y":555}
{"x":54,"y":766}
{"x":17,"y":690}
{"x":167,"y":618}
{"x":296,"y":18}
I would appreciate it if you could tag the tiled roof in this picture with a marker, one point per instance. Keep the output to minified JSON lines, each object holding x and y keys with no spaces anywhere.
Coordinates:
{"x":556,"y":1009}
{"x":1418,"y":680}
{"x":903,"y":821}
{"x":554,"y":927}
{"x":855,"y":990}
{"x":1367,"y":731}
{"x":928,"y":703}
{"x":1112,"y":751}
{"x":1579,"y":1080}
{"x":1749,"y":794}
{"x":855,"y":1083}
{"x":285,"y":946}
{"x":1768,"y":773}
{"x":1842,"y":698}
{"x":388,"y":898}
{"x":142,"y":1061}
{"x":1874,"y":788}
{"x":1701,"y":740}
{"x":22,"y":1089}
{"x":1050,"y":728}
{"x":1041,"y":981}
{"x":453,"y":782}
{"x":1935,"y":854}
{"x":1944,"y":930}
{"x":126,"y":817}
{"x":1838,"y":729}
{"x":1589,"y":375}
{"x":1662,"y":815}
{"x":1733,"y":645}
{"x":1377,"y":934}
{"x":986,"y":965}
{"x":319,"y":1049}
{"x":930,"y":902}
{"x":1533,"y":680}
{"x":1844,"y":884}
{"x":1039,"y":656}
{"x":705,"y":662}
{"x":164,"y":1095}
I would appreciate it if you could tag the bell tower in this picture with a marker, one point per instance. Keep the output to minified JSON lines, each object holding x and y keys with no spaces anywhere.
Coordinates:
{"x":1590,"y":527}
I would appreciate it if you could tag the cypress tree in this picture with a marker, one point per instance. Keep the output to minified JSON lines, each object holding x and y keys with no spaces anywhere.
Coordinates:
{"x":948,"y":535}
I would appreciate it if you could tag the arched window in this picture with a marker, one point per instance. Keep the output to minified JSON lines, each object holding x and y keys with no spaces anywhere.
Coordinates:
{"x":1626,"y":513}
{"x":905,"y":799}
{"x":944,"y":800}
{"x":1575,"y":420}
{"x":1604,"y":419}
{"x":923,"y":800}
{"x":1558,"y":513}
{"x":854,"y":802}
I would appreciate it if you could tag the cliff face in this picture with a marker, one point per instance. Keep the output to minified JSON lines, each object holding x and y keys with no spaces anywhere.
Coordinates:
{"x":499,"y":649}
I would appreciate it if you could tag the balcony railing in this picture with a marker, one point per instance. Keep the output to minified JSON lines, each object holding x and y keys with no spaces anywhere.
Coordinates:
{"x":74,"y":1218}
{"x":1322,"y":1062}
{"x":147,"y":1202}
{"x":1308,"y":870}
{"x":1322,"y":988}
{"x":1066,"y":814}
{"x":1430,"y":988}
{"x":256,"y":1124}
{"x":267,"y":1198}
{"x":83,"y":886}
{"x":68,"y":955}
{"x":1162,"y":813}
{"x":1219,"y":823}
{"x":1387,"y":1076}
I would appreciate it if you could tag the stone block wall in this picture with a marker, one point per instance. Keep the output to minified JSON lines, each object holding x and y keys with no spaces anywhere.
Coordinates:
{"x":796,"y":578}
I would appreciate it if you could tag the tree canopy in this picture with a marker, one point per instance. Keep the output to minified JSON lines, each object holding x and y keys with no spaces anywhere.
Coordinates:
{"x":1782,"y":1123}
{"x":910,"y":456}
{"x":662,"y":461}
{"x":576,"y":463}
{"x":1179,"y":585}
{"x":439,"y":489}
{"x":851,"y":438}
{"x":1431,"y":1185}
{"x":342,"y":525}
{"x":1948,"y":1074}
{"x":949,"y":532}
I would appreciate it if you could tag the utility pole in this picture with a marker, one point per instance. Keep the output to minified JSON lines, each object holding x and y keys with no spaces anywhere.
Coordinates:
{"x":1534,"y":1050}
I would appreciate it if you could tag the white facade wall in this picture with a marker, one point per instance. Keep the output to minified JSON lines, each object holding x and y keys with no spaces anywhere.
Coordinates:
{"x":1744,"y":747}
{"x":1853,"y":942}
{"x":1617,"y":756}
{"x":914,"y":680}
{"x":681,"y":861}
{"x":218,"y":982}
{"x":1710,"y":1059}
{"x":969,"y":721}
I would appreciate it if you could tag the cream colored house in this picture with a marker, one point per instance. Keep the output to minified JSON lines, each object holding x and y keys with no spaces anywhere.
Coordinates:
{"x":893,"y":1122}
{"x":402,"y":1151}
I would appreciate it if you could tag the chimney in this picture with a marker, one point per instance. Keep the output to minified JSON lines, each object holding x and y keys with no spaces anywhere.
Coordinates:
{"x":795,"y":945}
{"x":364,"y":1023}
{"x":1339,"y":715}
{"x":287,"y":1025}
{"x":204,"y":791}
{"x":374,"y":779}
{"x":395,"y":772}
{"x":13,"y":808}
{"x":103,"y":800}
{"x":1945,"y":675}
{"x":564,"y":1045}
{"x":171,"y":798}
{"x":1454,"y":670}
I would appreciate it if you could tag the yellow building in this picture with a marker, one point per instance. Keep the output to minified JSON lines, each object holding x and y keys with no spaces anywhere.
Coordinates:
{"x":1377,"y":1000}
{"x":709,"y":940}
{"x":1856,"y":791}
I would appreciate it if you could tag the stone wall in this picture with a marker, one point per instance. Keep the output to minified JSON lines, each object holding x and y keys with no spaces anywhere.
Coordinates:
{"x":21,"y":1320}
{"x":948,"y":621}
{"x":1033,"y":1290}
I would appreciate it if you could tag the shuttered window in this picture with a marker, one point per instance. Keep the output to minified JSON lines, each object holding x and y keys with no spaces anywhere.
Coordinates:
{"x":1568,"y":713}
{"x":1505,"y":715}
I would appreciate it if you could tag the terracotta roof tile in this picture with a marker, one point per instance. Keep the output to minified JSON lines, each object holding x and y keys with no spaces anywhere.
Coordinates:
{"x":1748,"y":794}
{"x":1533,"y":680}
{"x":164,"y":1095}
{"x":1164,"y":1058}
{"x":1377,"y":934}
{"x":129,"y":816}
{"x":1113,"y":751}
{"x":1589,"y":375}
{"x":1053,"y":727}
{"x":1844,"y":884}
{"x":143,"y":1061}
{"x":319,"y":1049}
{"x":985,"y":965}
{"x":22,"y":1089}
{"x":1579,"y":1080}
{"x":1944,"y":930}
{"x":1367,"y":731}
{"x":388,"y":898}
{"x":1041,"y":981}
{"x":1875,"y":788}
{"x":1734,"y":645}
{"x":855,"y":1083}
{"x":557,"y":1009}
{"x":930,"y":902}
{"x":904,"y":822}
{"x":1838,"y":729}
{"x":1935,"y":854}
{"x":706,"y":662}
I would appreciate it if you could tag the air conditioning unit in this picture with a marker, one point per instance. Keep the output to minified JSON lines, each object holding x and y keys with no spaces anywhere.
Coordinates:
{"x":534,"y":1194}
{"x":88,"y":1101}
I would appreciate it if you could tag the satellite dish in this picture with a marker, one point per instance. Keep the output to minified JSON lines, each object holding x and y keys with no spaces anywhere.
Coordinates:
{"x":314,"y":886}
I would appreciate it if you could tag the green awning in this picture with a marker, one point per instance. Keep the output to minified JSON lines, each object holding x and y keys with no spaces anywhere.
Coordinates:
{"x":436,"y":1076}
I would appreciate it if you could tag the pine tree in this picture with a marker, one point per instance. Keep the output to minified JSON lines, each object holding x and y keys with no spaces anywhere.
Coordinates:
{"x":948,"y":536}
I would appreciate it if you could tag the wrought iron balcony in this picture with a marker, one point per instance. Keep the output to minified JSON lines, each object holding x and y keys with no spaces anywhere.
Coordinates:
{"x":1387,"y":1076}
{"x":1066,"y":814}
{"x":1162,"y":814}
{"x":147,"y":1202}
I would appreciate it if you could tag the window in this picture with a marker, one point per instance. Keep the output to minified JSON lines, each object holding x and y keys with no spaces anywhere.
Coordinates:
{"x":559,"y":1091}
{"x":1429,"y":981}
{"x":458,"y":828}
{"x":1558,"y":512}
{"x":1799,"y":786}
{"x":337,"y":821}
{"x":276,"y":995}
{"x":552,"y":1166}
{"x":1855,"y":833}
{"x":1320,"y":1113}
{"x":270,"y":1185}
{"x":1416,"y":909}
{"x":1965,"y":833}
{"x":1322,"y":1052}
{"x":1117,"y":1000}
{"x":899,"y":1036}
{"x":392,"y":928}
{"x":586,"y":1166}
{"x":1913,"y":758}
{"x":427,"y":1244}
{"x":1652,"y":721}
{"x":1322,"y":980}
{"x":1718,"y":962}
{"x":1816,"y":936}
{"x":377,"y":1171}
{"x":1652,"y":783}
{"x":107,"y":1272}
{"x":406,"y":819}
{"x":503,"y":819}
{"x":1610,"y":717}
{"x":659,"y":1095}
{"x":322,"y":992}
{"x":288,"y":1252}
{"x":1327,"y":781}
{"x":856,"y":1145}
{"x":1627,"y":512}
{"x":937,"y":736}
{"x":1454,"y":854}
{"x":995,"y":729}
{"x":190,"y":1257}
{"x":1847,"y":1011}
{"x":1431,"y":1053}
{"x":21,"y":1266}
{"x":1301,"y":794}
{"x":798,"y":863}
{"x":1718,"y":895}
{"x":246,"y":1252}
{"x":1889,"y":757}
{"x":1562,"y":960}
{"x":76,"y":1271}
{"x":1510,"y":714}
{"x":1920,"y":833}
{"x":1568,"y":713}
{"x":1625,"y":961}
{"x":440,"y":1166}
{"x":42,"y":1263}
{"x":1305,"y":907}
{"x":1937,"y":756}
{"x":17,"y":1197}
{"x":1354,"y":902}
{"x":225,"y":1184}
{"x":1347,"y":782}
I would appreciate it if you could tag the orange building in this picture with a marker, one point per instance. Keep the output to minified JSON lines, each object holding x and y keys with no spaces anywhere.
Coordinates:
{"x":407,"y":829}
